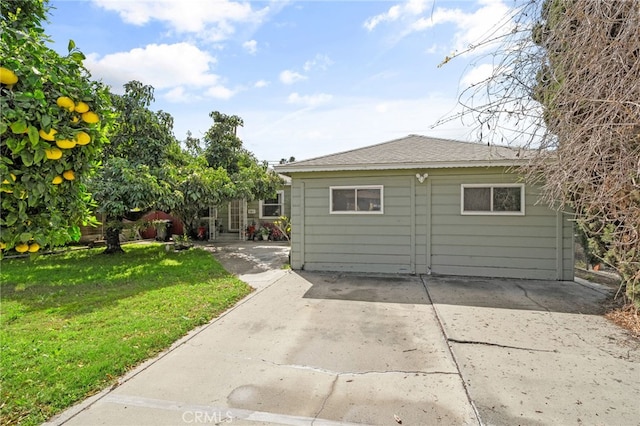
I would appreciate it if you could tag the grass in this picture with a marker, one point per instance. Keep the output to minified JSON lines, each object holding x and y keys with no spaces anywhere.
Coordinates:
{"x":70,"y":324}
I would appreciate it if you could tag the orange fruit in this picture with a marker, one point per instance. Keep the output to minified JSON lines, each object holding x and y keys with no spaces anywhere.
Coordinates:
{"x":22,"y":247}
{"x":50,"y":136}
{"x":6,"y":184}
{"x":82,"y":107}
{"x":7,"y":76}
{"x":90,"y":117}
{"x":57,"y":180}
{"x":3,"y":245}
{"x":82,"y":138}
{"x":53,"y":153}
{"x":34,"y":247}
{"x":65,"y":143}
{"x":69,"y":175}
{"x":66,"y":103}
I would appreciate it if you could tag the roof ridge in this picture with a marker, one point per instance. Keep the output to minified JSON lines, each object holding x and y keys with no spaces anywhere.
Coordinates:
{"x":350,"y":150}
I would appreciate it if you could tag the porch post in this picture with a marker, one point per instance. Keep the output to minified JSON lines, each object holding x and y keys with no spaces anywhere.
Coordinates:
{"x":213,"y":217}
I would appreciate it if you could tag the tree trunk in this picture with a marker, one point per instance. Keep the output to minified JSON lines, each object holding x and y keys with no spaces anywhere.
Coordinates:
{"x":113,"y":241}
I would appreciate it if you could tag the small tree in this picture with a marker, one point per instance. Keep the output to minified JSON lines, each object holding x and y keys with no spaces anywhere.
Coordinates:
{"x":222,"y":148}
{"x":136,"y":173}
{"x":201,"y":187}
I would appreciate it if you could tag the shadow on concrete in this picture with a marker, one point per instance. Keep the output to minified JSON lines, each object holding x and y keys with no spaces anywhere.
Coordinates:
{"x":372,"y":288}
{"x":519,"y":294}
{"x":249,"y":257}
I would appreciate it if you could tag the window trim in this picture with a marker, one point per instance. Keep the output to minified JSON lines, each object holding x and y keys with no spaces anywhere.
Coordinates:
{"x":281,"y":204}
{"x":356,"y":187}
{"x":491,"y":186}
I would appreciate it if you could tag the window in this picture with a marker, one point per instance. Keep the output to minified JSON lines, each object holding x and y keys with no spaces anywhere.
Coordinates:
{"x":273,"y":207}
{"x":355,"y":199}
{"x":505,"y":199}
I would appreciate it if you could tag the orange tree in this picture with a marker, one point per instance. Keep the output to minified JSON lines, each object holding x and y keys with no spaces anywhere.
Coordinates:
{"x":51,"y":133}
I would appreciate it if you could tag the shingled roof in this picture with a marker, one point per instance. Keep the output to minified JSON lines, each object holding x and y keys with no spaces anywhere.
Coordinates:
{"x":411,"y":152}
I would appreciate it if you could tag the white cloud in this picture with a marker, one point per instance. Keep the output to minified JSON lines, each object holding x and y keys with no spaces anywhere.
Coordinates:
{"x":309,"y":100}
{"x":250,"y":46}
{"x":176,"y":95}
{"x":391,"y":15}
{"x":396,"y":12}
{"x":261,"y":83}
{"x":439,"y":16}
{"x":321,"y":62}
{"x":208,"y":19}
{"x":160,"y":65}
{"x":382,"y":107}
{"x":488,"y":20}
{"x":477,"y":75}
{"x":219,"y":92}
{"x":290,"y":77}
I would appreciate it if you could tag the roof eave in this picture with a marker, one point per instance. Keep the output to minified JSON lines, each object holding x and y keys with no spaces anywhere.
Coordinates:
{"x":293,"y":168}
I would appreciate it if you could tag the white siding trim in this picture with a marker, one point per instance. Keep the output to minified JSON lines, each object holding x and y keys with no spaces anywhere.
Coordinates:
{"x":412,"y":224}
{"x":282,"y":207}
{"x":559,"y":246}
{"x":429,"y":237}
{"x":302,"y":231}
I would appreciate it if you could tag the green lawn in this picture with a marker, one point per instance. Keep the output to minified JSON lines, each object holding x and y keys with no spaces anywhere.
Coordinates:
{"x":71,"y":323}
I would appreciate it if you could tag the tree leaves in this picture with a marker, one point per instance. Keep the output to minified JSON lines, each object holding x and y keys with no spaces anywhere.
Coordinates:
{"x":31,"y":204}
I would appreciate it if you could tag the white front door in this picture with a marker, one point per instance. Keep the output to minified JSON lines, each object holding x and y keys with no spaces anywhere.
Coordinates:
{"x":235,"y":215}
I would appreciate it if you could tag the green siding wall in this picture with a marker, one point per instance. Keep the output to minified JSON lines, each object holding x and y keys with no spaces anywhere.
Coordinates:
{"x":351,"y":242}
{"x":493,"y":245}
{"x":422,"y":230}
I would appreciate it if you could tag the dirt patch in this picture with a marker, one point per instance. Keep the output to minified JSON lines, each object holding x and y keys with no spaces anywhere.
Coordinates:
{"x":625,"y":315}
{"x":617,"y":309}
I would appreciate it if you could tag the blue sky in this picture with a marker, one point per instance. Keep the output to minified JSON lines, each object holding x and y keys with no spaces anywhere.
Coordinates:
{"x":308,"y":78}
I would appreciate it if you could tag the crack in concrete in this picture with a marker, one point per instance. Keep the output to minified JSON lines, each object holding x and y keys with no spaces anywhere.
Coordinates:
{"x":326,"y":398}
{"x":352,"y":373}
{"x":474,"y":342}
{"x":604,"y":350}
{"x":526,"y":294}
{"x":337,"y":375}
{"x":453,"y":355}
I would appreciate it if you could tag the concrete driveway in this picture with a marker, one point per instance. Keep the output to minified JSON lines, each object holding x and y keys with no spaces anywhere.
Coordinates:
{"x":323,"y":349}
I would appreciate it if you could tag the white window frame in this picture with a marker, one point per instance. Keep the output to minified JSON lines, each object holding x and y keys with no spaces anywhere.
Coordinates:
{"x":355,"y":188}
{"x":492,"y":212}
{"x":279,"y":194}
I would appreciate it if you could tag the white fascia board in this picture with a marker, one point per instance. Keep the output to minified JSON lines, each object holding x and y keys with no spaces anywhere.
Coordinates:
{"x":387,"y":166}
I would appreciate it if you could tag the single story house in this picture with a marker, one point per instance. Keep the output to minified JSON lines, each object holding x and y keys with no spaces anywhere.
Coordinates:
{"x":422,"y":205}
